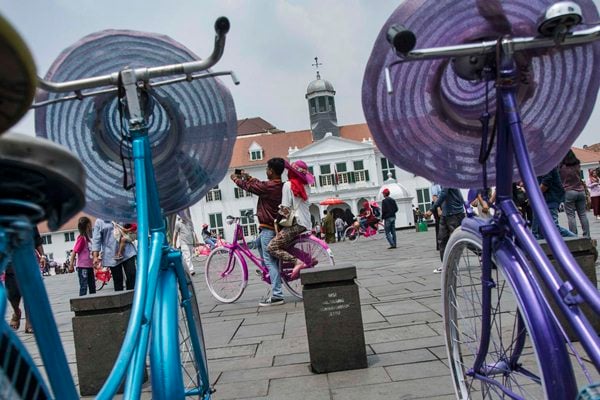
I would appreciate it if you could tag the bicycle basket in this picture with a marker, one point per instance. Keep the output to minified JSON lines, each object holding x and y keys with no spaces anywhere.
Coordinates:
{"x":192,"y":125}
{"x":430,"y":124}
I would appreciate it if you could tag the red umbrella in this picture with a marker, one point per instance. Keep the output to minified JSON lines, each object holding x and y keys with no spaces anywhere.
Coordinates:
{"x":330,"y":201}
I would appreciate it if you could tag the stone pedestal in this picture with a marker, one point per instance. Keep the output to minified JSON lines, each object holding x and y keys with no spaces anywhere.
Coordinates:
{"x":584,"y":251}
{"x":334,"y":326}
{"x":99,"y":327}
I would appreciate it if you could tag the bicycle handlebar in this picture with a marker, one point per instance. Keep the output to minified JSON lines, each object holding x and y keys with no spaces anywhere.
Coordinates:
{"x":145,"y":74}
{"x":401,"y":38}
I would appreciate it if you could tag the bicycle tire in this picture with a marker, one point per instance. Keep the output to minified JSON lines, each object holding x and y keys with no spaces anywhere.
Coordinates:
{"x":226,"y":281}
{"x":351,"y":233}
{"x":19,"y":377}
{"x":510,"y":326}
{"x":192,"y":372}
{"x":303,"y":248}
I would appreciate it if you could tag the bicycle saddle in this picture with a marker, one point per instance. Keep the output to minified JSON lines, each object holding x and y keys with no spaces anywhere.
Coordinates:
{"x":38,"y":171}
{"x":192,"y":125}
{"x":430,"y":124}
{"x":17,"y":76}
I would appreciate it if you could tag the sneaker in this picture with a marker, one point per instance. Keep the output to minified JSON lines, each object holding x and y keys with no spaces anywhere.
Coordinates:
{"x":437,"y":271}
{"x":271,"y":301}
{"x":193,"y":273}
{"x":391,"y":247}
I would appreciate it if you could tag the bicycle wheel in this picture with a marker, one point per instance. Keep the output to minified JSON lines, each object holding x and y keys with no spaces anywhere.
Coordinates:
{"x":19,"y":378}
{"x":313,"y":253}
{"x":225,"y":276}
{"x":514,"y":359}
{"x":351,"y":233}
{"x":195,"y":369}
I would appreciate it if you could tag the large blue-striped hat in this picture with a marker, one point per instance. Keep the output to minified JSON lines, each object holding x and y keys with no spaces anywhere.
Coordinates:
{"x":430,"y":124}
{"x":192,"y":125}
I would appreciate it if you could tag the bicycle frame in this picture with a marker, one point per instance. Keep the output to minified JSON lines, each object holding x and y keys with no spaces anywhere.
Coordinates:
{"x":159,"y":268}
{"x":245,"y":251}
{"x":509,"y":240}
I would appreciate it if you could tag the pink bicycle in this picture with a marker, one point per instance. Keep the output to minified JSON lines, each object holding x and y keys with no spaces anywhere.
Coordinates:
{"x":355,"y":231}
{"x":226,"y":269}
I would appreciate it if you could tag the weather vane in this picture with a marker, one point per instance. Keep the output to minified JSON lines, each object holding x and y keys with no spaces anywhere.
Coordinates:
{"x":316,"y":65}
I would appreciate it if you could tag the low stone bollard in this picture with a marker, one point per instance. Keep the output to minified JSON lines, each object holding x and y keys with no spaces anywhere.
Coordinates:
{"x":585,"y":253}
{"x":334,"y":326}
{"x":99,"y":328}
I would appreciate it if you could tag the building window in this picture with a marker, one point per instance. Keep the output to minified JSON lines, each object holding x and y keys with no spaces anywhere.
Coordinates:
{"x":46,"y":239}
{"x":69,"y":236}
{"x":312,"y":172}
{"x":216,"y":224}
{"x":313,"y":106}
{"x":247,"y":222}
{"x":387,"y":167}
{"x":326,"y":177}
{"x":423,"y":199}
{"x":214,"y":194}
{"x":331,"y":104}
{"x":322,"y":105}
{"x":360,"y":174}
{"x":239,"y":193}
{"x":256,"y":155}
{"x":50,"y":256}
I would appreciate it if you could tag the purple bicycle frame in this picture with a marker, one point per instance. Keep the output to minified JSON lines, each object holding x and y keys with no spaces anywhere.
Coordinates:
{"x":243,"y":248}
{"x":510,"y":240}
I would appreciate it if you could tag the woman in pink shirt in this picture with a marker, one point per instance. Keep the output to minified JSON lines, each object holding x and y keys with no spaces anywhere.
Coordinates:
{"x":85,"y":270}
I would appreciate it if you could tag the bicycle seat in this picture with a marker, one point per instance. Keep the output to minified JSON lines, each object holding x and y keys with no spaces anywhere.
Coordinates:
{"x":41,"y":172}
{"x":192,"y":127}
{"x":430,"y":124}
{"x":17,"y":72}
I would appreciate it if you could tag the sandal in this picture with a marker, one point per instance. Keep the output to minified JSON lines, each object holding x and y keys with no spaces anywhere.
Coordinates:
{"x":296,"y":271}
{"x":28,"y":327}
{"x":15,"y":320}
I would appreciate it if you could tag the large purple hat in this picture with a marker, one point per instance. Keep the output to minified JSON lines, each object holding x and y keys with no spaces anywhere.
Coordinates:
{"x":430,"y":124}
{"x":192,"y":125}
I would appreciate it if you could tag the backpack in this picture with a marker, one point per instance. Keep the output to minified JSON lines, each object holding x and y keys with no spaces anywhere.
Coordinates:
{"x":376,"y":211}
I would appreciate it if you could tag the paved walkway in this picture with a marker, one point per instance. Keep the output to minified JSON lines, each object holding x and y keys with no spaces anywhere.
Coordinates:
{"x":262,"y":353}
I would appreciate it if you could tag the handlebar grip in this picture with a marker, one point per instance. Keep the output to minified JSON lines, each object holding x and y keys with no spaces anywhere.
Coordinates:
{"x":222,"y":25}
{"x":401,"y":39}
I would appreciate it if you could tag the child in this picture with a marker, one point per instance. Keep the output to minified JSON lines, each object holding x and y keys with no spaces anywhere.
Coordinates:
{"x":124,"y":234}
{"x":85,"y":270}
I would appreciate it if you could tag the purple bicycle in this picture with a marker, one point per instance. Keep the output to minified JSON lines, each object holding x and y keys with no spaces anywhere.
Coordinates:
{"x":226,"y":269}
{"x":503,"y":339}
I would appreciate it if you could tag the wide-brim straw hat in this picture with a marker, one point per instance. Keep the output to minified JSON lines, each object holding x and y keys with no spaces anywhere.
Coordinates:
{"x":300,"y":170}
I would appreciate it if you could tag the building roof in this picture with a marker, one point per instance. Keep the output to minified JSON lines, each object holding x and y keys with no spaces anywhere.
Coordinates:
{"x":586,"y":156}
{"x":253,"y":126}
{"x":593,"y":147}
{"x":319,"y":85}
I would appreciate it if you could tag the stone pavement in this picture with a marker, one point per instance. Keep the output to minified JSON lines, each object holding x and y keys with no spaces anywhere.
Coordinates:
{"x":262,"y":352}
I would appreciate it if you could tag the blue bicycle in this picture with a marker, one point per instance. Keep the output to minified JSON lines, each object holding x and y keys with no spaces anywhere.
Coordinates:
{"x":138,"y":117}
{"x":511,"y":90}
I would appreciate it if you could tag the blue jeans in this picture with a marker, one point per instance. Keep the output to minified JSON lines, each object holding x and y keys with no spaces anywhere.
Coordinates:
{"x":87,"y":279}
{"x":390,"y":230}
{"x":265,"y":236}
{"x":537,"y":232}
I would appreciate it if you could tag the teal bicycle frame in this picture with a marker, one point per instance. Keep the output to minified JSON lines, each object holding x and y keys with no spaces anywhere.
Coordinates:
{"x":159,"y":268}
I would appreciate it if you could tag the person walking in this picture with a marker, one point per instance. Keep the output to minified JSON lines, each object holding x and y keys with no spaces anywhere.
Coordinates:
{"x":13,"y":293}
{"x":453,"y":212}
{"x":554,"y":194}
{"x":269,"y":198}
{"x":593,"y":184}
{"x":184,"y":232}
{"x":103,"y":241}
{"x":81,"y":258}
{"x":575,"y":197}
{"x":208,"y":237}
{"x":389,"y":208}
{"x":294,"y":207}
{"x":340,"y":226}
{"x":328,"y":226}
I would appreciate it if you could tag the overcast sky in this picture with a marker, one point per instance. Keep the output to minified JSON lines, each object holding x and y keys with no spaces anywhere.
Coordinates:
{"x":271,"y":45}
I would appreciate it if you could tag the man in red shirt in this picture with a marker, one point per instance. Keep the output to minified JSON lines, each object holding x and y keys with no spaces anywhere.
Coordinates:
{"x":269,"y":199}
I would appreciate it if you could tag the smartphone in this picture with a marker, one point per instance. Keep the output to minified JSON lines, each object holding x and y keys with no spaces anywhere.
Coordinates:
{"x":238,"y":171}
